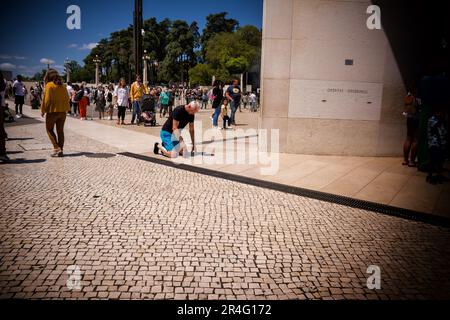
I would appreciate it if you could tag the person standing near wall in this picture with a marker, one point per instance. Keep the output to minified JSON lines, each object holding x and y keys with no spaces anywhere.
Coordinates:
{"x":55,"y":108}
{"x":3,"y":156}
{"x":412,"y":130}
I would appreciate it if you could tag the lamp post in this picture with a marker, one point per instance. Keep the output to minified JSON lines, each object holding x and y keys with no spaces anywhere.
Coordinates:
{"x":154,"y":67}
{"x":137,"y":35}
{"x":96,"y":61}
{"x":145,"y":58}
{"x":47,"y":62}
{"x":182,"y":60}
{"x":68,"y":70}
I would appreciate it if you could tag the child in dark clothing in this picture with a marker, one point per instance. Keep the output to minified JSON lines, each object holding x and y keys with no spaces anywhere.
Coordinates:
{"x":437,"y":142}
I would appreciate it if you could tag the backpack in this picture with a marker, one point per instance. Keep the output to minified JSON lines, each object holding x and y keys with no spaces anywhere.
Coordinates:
{"x":164,"y":98}
{"x":109,"y":97}
{"x":79,"y":95}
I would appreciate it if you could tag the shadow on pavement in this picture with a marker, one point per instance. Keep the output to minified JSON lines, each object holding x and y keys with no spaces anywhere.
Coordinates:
{"x":24,"y":161}
{"x":19,"y":139}
{"x":89,"y":155}
{"x":76,"y":154}
{"x":226,"y":139}
{"x":22,"y":122}
{"x":101,"y":155}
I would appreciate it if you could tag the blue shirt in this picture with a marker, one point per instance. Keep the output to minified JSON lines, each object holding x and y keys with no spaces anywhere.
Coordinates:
{"x":235,"y":93}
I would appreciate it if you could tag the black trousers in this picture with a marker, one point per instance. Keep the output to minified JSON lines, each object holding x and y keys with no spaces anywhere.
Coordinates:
{"x":121,"y":113}
{"x":225,"y":120}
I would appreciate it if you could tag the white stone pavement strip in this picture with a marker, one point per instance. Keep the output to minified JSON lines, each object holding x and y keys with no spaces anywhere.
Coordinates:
{"x":128,"y":140}
{"x":138,"y":230}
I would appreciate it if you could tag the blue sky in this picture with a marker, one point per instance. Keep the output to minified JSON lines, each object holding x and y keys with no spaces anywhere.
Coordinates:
{"x":32,"y":31}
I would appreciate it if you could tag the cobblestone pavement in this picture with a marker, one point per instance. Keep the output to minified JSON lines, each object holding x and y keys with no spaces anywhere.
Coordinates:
{"x":144,"y":231}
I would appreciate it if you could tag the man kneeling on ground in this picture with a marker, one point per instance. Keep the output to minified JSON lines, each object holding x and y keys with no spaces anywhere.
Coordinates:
{"x":172,"y":142}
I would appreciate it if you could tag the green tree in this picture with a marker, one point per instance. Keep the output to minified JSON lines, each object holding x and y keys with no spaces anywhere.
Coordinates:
{"x":216,"y":23}
{"x":183,"y":40}
{"x":230,"y":52}
{"x":39,"y":76}
{"x":75,"y":69}
{"x":223,"y":49}
{"x":201,"y":74}
{"x":251,"y":35}
{"x":237,"y":65}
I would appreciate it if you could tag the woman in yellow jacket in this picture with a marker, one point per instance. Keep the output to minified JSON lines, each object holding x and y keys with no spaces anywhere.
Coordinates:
{"x":55,"y":106}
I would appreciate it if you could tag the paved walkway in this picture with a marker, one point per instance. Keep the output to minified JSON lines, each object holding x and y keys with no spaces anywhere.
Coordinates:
{"x":377,"y":179}
{"x":136,"y":229}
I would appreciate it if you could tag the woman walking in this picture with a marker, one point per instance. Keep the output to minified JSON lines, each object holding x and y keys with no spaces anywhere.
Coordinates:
{"x":100,"y":102}
{"x":121,"y":96}
{"x":55,"y":107}
{"x":217,"y":97}
{"x":77,"y":94}
{"x":83,"y":103}
{"x":109,"y":101}
{"x":19,"y":91}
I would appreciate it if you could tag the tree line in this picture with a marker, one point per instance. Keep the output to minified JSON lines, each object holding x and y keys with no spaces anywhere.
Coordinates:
{"x":224,"y":49}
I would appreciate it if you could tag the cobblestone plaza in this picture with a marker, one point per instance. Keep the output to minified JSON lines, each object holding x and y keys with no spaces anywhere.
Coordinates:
{"x":140,"y":230}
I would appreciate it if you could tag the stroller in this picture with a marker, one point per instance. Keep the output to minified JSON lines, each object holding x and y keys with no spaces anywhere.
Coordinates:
{"x":7,"y":115}
{"x":148,"y":117}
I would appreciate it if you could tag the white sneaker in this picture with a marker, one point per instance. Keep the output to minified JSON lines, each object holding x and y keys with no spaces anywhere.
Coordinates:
{"x":17,"y":116}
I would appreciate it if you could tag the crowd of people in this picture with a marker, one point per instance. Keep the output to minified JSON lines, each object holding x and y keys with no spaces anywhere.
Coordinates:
{"x":162,"y":100}
{"x":172,"y":103}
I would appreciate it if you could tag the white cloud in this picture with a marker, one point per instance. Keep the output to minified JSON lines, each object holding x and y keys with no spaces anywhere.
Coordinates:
{"x":7,"y":66}
{"x":20,"y":58}
{"x":47,"y":61}
{"x":84,"y":46}
{"x":88,"y":46}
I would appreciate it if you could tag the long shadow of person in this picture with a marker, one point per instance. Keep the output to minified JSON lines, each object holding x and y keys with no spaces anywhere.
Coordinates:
{"x":24,"y":161}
